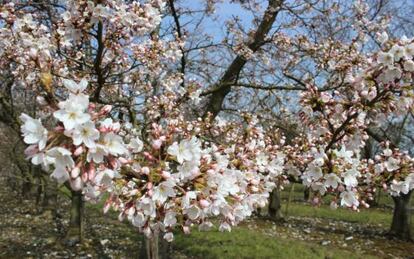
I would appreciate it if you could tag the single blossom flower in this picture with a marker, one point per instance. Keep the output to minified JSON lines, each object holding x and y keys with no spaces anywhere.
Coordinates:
{"x":33,"y":131}
{"x":72,"y":112}
{"x":97,"y":154}
{"x":63,"y":161}
{"x":349,"y":199}
{"x":350,"y":177}
{"x":164,"y":191}
{"x":392,"y":164}
{"x":332,"y":180}
{"x":398,"y":187}
{"x":114,"y":144}
{"x":85,"y":133}
{"x":398,"y":52}
{"x":382,"y":37}
{"x":185,"y":150}
{"x":136,"y":145}
{"x":75,"y":87}
{"x":345,"y":154}
{"x":386,"y":58}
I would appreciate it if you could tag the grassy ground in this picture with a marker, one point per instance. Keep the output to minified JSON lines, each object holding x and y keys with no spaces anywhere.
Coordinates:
{"x":367,"y":216}
{"x":380,"y":215}
{"x":350,"y":235}
{"x":245,"y":243}
{"x":308,"y":232}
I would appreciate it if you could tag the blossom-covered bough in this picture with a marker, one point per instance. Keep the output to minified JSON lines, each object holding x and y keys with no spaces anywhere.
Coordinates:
{"x":82,"y":149}
{"x":167,"y":171}
{"x":180,"y":176}
{"x":117,"y":118}
{"x":332,"y":158}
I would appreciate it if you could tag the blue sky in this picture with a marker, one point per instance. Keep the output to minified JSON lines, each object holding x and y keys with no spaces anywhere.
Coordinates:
{"x":223,"y":12}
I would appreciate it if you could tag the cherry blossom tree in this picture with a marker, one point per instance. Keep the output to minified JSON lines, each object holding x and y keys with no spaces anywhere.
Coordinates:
{"x":136,"y":102}
{"x":188,"y":176}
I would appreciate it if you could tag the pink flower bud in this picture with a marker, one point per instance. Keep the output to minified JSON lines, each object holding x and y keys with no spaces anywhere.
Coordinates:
{"x":204,"y":203}
{"x":166,"y":174}
{"x":103,"y":129}
{"x":341,"y":188}
{"x":75,"y":172}
{"x":163,"y":138}
{"x":78,"y":151}
{"x":148,"y":156}
{"x":366,"y":205}
{"x":147,"y":232}
{"x":31,"y":150}
{"x":157,"y":144}
{"x":255,"y":181}
{"x":113,"y":162}
{"x":186,"y":230}
{"x":41,"y":100}
{"x":333,"y":205}
{"x":33,"y":53}
{"x":105,"y":110}
{"x":149,"y":186}
{"x":145,"y":170}
{"x":91,"y":106}
{"x":85,"y":176}
{"x":76,"y":184}
{"x":91,"y":172}
{"x":106,"y":207}
{"x":384,"y":186}
{"x":59,"y":128}
{"x":121,"y":216}
{"x":195,"y":171}
{"x":131,"y":211}
{"x":364,"y":93}
{"x":123,"y":160}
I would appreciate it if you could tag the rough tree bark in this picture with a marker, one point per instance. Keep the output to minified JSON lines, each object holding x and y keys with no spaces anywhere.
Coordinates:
{"x":27,"y":187}
{"x":401,"y":220}
{"x":155,"y":248}
{"x":223,"y":87}
{"x":306,"y":194}
{"x":275,"y":205}
{"x":152,"y":247}
{"x":74,"y":234}
{"x":50,"y":195}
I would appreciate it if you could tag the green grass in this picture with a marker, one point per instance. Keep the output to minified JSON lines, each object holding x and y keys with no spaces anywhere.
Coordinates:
{"x":370,"y":216}
{"x":381,"y":215}
{"x":384,"y":198}
{"x":245,"y":243}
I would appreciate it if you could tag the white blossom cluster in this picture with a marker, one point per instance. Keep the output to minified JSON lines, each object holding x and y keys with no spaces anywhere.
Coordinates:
{"x":83,"y":148}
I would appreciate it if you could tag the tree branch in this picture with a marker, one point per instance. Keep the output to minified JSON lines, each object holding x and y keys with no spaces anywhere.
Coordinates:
{"x":230,"y":76}
{"x":98,"y":62}
{"x":179,"y":33}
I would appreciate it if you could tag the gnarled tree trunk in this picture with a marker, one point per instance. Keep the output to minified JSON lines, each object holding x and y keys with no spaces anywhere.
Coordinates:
{"x":75,"y":231}
{"x":27,"y":187}
{"x":151,"y":248}
{"x":306,"y":194}
{"x":275,"y":205}
{"x":155,"y":248}
{"x":401,"y":220}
